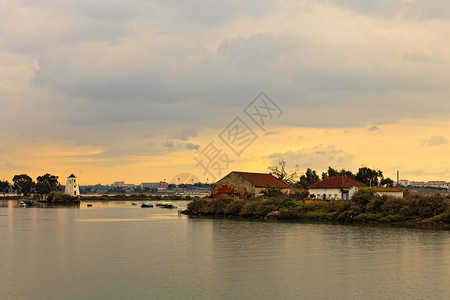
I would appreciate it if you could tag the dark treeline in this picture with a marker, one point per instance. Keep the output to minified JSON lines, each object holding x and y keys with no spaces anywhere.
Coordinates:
{"x":25,"y":185}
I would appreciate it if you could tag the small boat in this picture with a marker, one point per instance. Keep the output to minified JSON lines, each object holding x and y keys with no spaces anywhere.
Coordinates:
{"x":22,"y":204}
{"x":89,"y":205}
{"x":134,"y":203}
{"x":146,"y":205}
{"x":167,"y":205}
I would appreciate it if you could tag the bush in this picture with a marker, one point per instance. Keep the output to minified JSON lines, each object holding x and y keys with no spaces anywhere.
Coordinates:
{"x":362,"y":197}
{"x":234,"y":207}
{"x":430,"y":206}
{"x":257,"y":207}
{"x":219,"y":205}
{"x":287,"y":203}
{"x":393,"y":205}
{"x":340,"y":205}
{"x":197,"y":206}
{"x":375,"y":204}
{"x":59,"y":197}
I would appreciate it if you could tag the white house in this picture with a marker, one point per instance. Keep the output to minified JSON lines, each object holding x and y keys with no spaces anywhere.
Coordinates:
{"x":380,"y":191}
{"x":334,"y":188}
{"x":72,"y":187}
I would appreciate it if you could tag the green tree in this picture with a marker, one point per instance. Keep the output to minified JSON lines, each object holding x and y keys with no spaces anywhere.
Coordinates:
{"x":23,"y":184}
{"x":369,"y":176}
{"x":308,"y":178}
{"x":4,"y":187}
{"x":281,"y":173}
{"x":46,"y":184}
{"x":333,"y":172}
{"x":387,"y":182}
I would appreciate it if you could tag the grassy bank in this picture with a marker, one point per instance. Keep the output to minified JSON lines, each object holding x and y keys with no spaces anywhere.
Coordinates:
{"x":364,"y":208}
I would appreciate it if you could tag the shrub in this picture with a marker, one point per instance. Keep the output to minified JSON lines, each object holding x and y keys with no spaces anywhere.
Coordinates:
{"x":392,"y":205}
{"x":375,"y":204}
{"x":340,"y":205}
{"x":234,"y":207}
{"x":272,"y":192}
{"x":287,"y":203}
{"x":197,"y":206}
{"x":218,"y":206}
{"x":362,"y":197}
{"x":257,"y":207}
{"x":59,"y":197}
{"x":430,"y":206}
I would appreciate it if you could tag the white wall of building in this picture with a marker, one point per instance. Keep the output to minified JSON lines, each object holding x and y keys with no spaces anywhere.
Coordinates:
{"x":72,"y":187}
{"x":380,"y":192}
{"x":330,"y":194}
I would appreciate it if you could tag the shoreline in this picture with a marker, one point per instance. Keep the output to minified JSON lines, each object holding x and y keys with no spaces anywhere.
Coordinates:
{"x":418,"y":212}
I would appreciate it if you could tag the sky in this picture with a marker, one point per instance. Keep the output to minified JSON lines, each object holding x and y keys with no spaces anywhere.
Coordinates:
{"x":144,"y":91}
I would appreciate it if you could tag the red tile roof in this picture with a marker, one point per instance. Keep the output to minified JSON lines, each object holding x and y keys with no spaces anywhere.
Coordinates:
{"x":263,"y":180}
{"x":337,"y":182}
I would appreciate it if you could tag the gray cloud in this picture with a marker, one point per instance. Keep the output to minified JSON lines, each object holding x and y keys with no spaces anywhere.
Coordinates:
{"x":435,"y":140}
{"x":418,"y":9}
{"x":373,"y":128}
{"x":157,"y":71}
{"x":271,"y":133}
{"x":191,"y":146}
{"x":317,"y":157}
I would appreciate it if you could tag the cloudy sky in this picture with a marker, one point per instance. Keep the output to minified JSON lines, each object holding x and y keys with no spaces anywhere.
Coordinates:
{"x":141,"y":90}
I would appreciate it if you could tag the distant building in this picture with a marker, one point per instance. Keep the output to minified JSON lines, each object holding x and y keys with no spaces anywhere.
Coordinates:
{"x":334,"y":188}
{"x":72,"y":187}
{"x":122,"y":184}
{"x":119,"y":184}
{"x":243,"y":184}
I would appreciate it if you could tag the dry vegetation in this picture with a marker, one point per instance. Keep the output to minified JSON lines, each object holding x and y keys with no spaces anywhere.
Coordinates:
{"x":365,"y":207}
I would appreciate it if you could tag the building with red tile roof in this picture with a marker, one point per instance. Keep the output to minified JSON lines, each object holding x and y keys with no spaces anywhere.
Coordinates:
{"x":334,"y":188}
{"x":243,"y":184}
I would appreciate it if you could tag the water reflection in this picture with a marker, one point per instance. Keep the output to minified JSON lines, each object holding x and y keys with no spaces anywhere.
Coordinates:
{"x":116,"y":250}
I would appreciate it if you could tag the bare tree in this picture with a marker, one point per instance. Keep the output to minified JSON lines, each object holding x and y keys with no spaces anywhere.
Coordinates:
{"x":281,"y":173}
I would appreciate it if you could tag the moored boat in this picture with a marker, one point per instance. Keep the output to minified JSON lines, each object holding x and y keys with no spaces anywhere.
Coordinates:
{"x":167,"y":205}
{"x":146,"y":205}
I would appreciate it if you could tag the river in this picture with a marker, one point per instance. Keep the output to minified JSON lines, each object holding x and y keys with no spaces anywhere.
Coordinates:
{"x":115,"y":250}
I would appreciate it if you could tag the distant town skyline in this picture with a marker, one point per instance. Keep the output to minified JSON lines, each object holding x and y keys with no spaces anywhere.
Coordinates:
{"x":140,"y":90}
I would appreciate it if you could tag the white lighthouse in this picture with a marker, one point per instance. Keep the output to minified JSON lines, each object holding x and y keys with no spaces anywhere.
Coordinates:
{"x":72,"y":187}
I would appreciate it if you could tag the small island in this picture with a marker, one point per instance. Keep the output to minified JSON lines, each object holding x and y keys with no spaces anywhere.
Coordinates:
{"x":336,"y":199}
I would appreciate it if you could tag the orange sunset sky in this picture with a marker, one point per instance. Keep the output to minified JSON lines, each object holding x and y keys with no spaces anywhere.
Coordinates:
{"x":137,"y":90}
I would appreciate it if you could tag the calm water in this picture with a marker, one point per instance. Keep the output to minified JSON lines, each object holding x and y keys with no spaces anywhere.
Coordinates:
{"x":114,"y":250}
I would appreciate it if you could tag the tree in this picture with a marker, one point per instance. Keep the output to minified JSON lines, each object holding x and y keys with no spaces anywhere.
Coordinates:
{"x":23,"y":184}
{"x":387,"y":182}
{"x":309,"y":178}
{"x":4,"y":187}
{"x":369,"y":176}
{"x":281,"y":173}
{"x":47,"y":184}
{"x":333,"y":172}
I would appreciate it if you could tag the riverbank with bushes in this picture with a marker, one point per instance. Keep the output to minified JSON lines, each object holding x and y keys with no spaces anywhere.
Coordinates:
{"x":365,"y":208}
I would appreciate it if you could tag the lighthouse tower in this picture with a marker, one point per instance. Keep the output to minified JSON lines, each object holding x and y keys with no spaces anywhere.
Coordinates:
{"x":72,"y":186}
